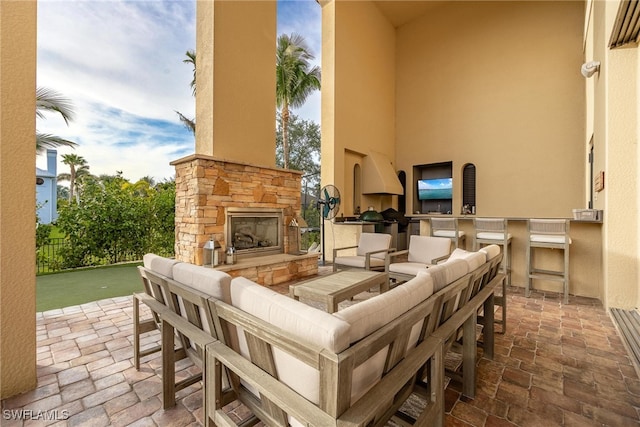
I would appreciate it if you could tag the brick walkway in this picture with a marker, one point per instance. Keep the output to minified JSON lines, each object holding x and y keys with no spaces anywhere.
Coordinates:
{"x":557,"y":365}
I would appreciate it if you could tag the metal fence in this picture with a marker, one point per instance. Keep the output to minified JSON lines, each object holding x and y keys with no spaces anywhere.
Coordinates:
{"x":49,"y":258}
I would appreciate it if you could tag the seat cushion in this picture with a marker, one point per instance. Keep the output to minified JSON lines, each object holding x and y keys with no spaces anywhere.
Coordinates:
{"x":370,"y":242}
{"x":548,"y":238}
{"x":159,"y":265}
{"x":411,"y":268}
{"x":207,"y":280}
{"x":447,"y":233}
{"x":473,"y":259}
{"x":358,"y":261}
{"x":488,"y":235}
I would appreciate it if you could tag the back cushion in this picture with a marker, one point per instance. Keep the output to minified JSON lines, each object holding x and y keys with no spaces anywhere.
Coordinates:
{"x":424,"y":249}
{"x":447,"y":272}
{"x":309,"y":324}
{"x":370,"y":242}
{"x":370,"y":315}
{"x":473,"y":259}
{"x":491,"y":251}
{"x":207,"y":280}
{"x":159,"y":265}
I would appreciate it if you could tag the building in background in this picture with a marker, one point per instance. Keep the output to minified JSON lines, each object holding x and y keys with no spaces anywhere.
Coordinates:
{"x":47,"y":190}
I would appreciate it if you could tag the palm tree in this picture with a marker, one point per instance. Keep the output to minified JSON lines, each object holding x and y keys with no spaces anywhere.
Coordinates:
{"x":187,"y":122}
{"x":78,"y":167}
{"x":295,"y":80}
{"x":48,"y":100}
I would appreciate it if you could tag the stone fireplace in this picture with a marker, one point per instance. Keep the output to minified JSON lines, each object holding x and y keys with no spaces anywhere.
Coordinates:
{"x":247,"y":206}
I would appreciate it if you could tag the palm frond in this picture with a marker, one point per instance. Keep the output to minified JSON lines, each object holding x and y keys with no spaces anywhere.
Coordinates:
{"x":46,"y":140}
{"x":187,"y":122}
{"x":50,"y":100}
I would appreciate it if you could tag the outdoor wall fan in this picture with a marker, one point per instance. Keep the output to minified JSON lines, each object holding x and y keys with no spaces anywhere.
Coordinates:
{"x":329,"y":202}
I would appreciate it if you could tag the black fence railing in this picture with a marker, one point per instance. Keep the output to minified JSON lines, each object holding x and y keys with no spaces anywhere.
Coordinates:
{"x":49,"y":257}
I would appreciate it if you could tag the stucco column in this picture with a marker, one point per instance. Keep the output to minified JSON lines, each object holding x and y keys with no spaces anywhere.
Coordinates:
{"x":17,"y":196}
{"x":236,"y":80}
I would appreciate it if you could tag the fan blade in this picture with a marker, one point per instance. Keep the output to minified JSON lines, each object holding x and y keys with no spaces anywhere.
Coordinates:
{"x":326,"y":209}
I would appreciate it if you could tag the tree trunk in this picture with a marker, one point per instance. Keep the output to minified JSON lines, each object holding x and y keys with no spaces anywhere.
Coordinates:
{"x":72,"y":182}
{"x":285,"y":135}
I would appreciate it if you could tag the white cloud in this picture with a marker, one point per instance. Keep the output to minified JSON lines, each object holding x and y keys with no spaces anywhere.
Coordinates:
{"x":120,"y":63}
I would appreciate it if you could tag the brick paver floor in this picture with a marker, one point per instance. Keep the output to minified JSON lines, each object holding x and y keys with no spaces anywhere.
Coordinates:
{"x":557,"y":364}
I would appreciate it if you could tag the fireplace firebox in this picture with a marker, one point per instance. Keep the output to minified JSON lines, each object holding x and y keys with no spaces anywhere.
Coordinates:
{"x":255,"y":231}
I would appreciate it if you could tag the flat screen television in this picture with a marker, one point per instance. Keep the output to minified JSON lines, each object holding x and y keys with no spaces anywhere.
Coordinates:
{"x":435,"y":189}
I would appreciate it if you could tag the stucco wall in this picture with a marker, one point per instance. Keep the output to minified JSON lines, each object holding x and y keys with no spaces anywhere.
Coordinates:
{"x":358,"y":83}
{"x":17,"y":197}
{"x":496,"y":84}
{"x":616,"y":153}
{"x":236,"y":81}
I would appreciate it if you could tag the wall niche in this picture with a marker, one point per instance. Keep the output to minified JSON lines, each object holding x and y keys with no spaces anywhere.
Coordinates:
{"x":433,"y":184}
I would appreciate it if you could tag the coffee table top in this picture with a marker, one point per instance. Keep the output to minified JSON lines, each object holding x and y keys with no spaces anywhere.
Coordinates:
{"x":339,"y":281}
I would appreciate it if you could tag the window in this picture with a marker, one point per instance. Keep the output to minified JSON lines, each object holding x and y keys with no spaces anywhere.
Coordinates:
{"x":469,"y":188}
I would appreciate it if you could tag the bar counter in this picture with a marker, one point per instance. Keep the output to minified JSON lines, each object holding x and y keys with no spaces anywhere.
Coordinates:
{"x":585,"y":264}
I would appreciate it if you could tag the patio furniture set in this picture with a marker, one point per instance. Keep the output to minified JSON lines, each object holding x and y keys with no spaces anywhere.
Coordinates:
{"x":293,"y":364}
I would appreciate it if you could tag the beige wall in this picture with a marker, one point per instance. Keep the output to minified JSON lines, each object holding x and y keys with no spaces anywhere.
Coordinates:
{"x":235,"y":99}
{"x":358,"y":94}
{"x":496,"y":84}
{"x":615,"y":94}
{"x":17,"y":197}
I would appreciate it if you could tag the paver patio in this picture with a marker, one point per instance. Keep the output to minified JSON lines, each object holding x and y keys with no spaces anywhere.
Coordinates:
{"x":561,"y":365}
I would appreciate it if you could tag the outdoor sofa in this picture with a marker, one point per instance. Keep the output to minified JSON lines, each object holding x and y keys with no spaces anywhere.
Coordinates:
{"x":293,"y":364}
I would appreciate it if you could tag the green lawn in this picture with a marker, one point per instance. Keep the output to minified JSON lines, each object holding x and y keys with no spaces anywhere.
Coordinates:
{"x":86,"y":285}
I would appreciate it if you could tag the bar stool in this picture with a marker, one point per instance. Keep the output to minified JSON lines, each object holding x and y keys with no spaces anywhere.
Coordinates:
{"x":551,"y":234}
{"x":447,"y":227}
{"x":493,"y":231}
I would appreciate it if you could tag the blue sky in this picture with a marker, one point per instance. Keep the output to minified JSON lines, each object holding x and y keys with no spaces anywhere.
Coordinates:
{"x":120,"y":63}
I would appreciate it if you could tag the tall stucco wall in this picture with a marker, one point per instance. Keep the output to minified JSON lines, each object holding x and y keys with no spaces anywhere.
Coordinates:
{"x":358,"y":82}
{"x":17,"y":196}
{"x":616,"y":153}
{"x":496,"y":84}
{"x":236,"y":81}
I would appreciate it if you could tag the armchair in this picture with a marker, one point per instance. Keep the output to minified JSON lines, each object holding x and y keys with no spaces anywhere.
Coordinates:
{"x":370,"y":252}
{"x":423,"y":251}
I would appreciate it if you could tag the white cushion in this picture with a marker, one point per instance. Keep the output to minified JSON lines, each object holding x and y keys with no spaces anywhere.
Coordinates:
{"x":487,"y":235}
{"x":447,"y":233}
{"x":370,"y":242}
{"x":309,"y":324}
{"x":424,"y":249}
{"x":159,"y":265}
{"x":207,"y":280}
{"x":473,"y":259}
{"x":358,"y":261}
{"x":447,"y":272}
{"x":372,"y":314}
{"x":412,"y":268}
{"x":490,"y":251}
{"x":548,"y":238}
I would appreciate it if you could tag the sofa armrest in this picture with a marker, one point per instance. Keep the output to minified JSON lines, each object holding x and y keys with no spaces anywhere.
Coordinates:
{"x":335,"y":250}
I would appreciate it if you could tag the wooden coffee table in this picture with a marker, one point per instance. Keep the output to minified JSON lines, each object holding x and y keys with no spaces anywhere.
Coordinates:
{"x":339,"y":286}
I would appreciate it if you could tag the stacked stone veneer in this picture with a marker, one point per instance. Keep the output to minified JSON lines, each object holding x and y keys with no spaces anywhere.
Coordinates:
{"x":207,"y":186}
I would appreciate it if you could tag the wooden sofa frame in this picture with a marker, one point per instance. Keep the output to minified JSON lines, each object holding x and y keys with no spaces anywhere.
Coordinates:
{"x":450,"y":314}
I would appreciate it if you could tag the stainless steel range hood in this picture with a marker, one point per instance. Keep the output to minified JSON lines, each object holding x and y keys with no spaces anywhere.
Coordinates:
{"x":379,"y":176}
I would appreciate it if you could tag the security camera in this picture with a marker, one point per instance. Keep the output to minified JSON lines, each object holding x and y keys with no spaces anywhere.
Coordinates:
{"x":589,"y":68}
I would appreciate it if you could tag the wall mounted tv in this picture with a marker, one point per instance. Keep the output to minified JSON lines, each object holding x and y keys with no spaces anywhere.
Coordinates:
{"x":435,"y":189}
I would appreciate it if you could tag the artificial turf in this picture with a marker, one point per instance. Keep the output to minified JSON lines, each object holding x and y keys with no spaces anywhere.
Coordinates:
{"x":80,"y":286}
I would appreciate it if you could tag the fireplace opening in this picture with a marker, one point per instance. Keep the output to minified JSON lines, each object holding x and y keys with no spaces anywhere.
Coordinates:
{"x":255,"y":231}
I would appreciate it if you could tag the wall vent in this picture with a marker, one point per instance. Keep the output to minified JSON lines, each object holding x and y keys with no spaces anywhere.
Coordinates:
{"x":627,"y":25}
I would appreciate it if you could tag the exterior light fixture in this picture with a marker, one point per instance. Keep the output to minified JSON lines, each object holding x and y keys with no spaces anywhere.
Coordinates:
{"x":588,"y":69}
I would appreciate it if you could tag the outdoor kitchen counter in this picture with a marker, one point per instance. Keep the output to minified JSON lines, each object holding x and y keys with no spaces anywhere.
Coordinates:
{"x":585,"y":269}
